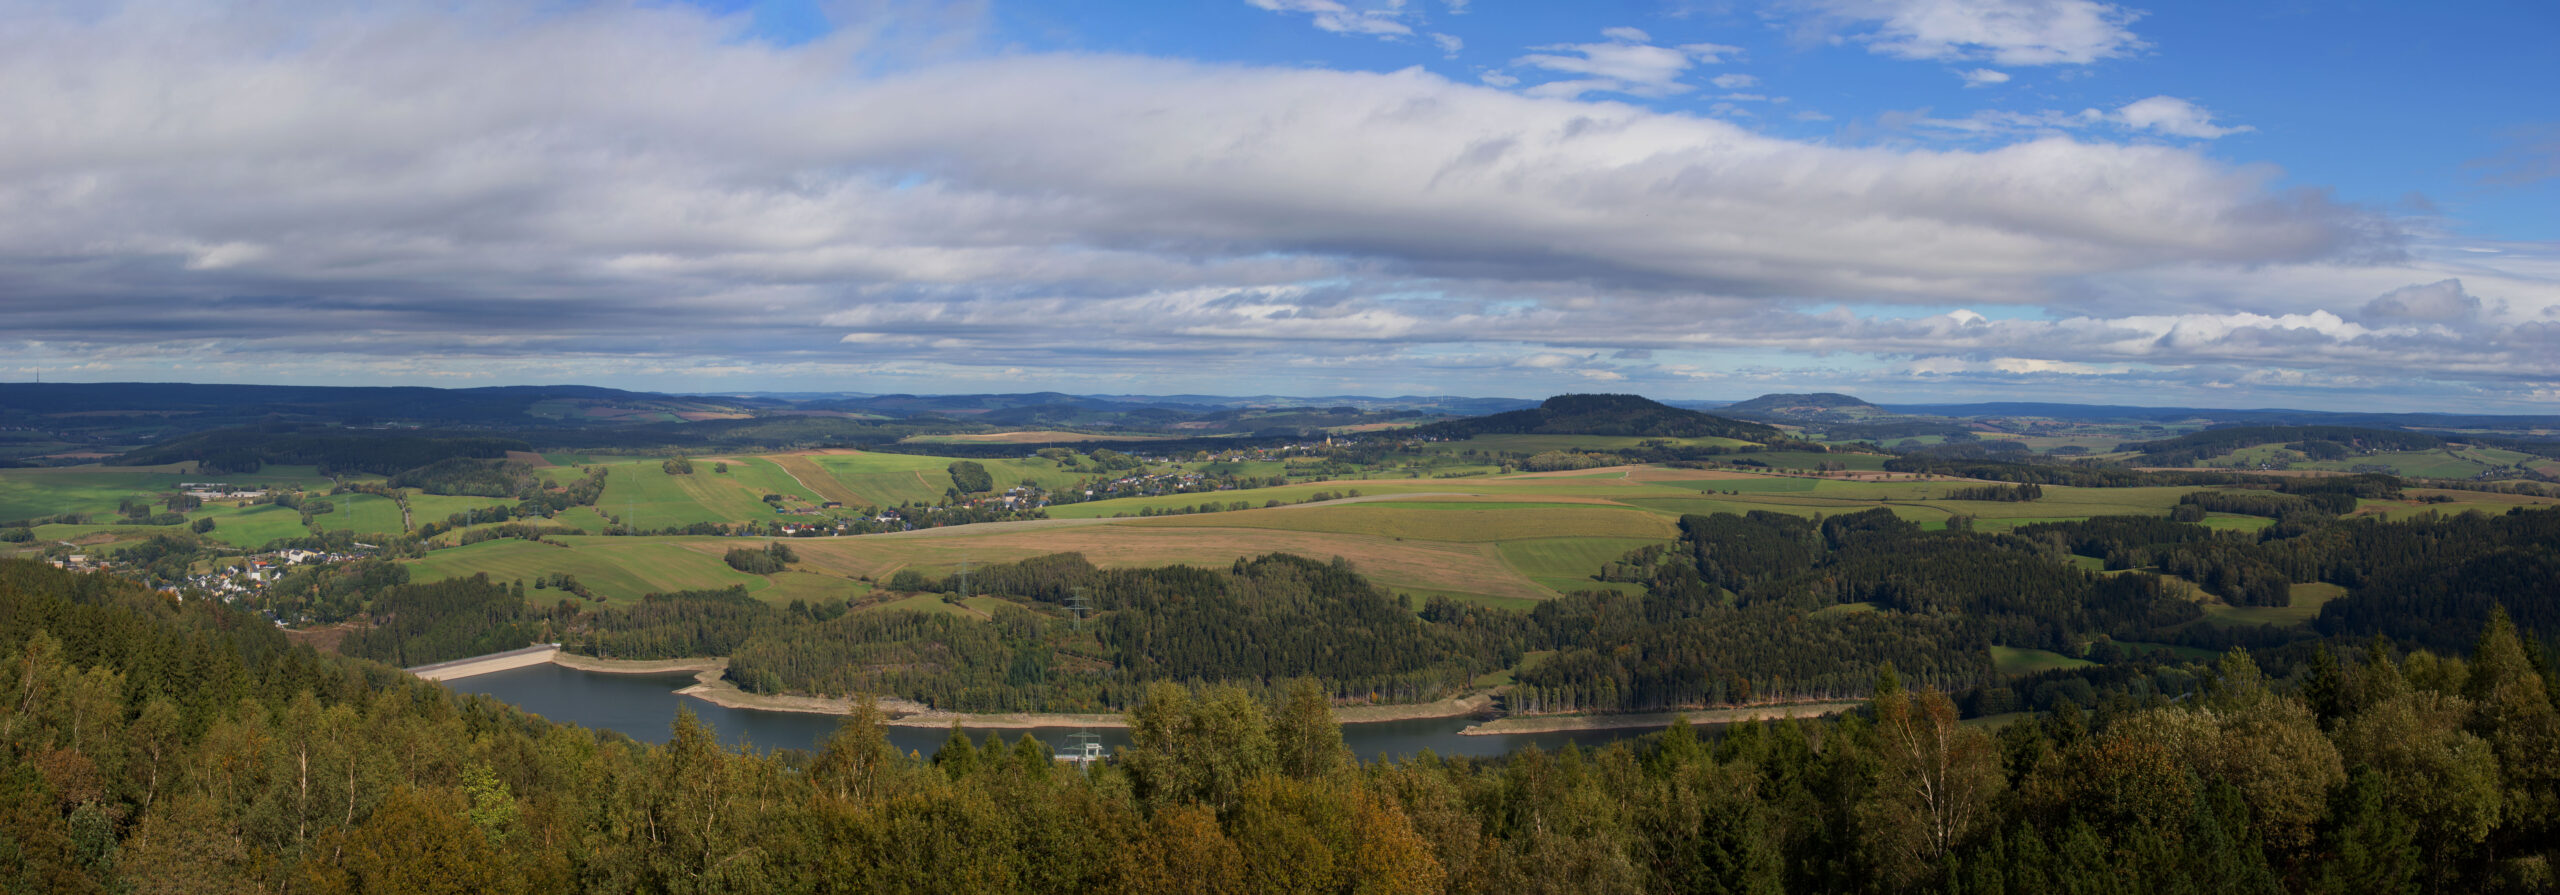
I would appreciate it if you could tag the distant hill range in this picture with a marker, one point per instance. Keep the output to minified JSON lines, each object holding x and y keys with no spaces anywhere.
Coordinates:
{"x":1817,"y":405}
{"x":1626,"y":415}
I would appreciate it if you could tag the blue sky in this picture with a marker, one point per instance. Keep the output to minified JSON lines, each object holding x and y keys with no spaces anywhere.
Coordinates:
{"x":2343,"y":205}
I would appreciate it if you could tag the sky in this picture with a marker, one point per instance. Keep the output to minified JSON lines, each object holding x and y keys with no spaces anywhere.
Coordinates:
{"x":2331,"y":205}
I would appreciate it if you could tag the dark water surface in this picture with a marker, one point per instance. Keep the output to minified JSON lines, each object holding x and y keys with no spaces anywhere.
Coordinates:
{"x":643,"y":707}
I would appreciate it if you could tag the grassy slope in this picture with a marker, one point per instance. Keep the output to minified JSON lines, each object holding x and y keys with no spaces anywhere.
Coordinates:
{"x":2307,"y":600}
{"x":2014,"y":661}
{"x":360,"y":513}
{"x":1509,"y":540}
{"x":255,"y":526}
{"x":614,"y":568}
{"x":30,"y":493}
{"x":1391,"y":521}
{"x":1566,"y":565}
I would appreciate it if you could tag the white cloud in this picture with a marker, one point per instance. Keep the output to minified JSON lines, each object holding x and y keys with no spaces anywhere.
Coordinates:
{"x":1629,"y":63}
{"x":2169,"y":115}
{"x":1983,"y":77}
{"x":2006,"y":32}
{"x":701,"y":203}
{"x":1734,"y":81}
{"x":2441,"y":301}
{"x":2164,"y":115}
{"x":1384,"y":20}
{"x":1449,"y":44}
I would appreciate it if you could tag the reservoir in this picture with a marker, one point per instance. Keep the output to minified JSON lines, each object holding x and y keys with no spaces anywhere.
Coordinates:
{"x":643,"y":707}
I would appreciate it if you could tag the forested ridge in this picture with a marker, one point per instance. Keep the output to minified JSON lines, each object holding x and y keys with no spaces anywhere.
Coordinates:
{"x":1603,"y":415}
{"x":153,"y":746}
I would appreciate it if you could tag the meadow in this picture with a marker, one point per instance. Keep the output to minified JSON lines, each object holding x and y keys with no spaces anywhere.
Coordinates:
{"x":95,"y":490}
{"x":1508,"y":540}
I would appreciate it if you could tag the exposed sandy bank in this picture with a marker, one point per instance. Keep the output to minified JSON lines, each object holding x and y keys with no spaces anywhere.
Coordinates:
{"x":1553,"y":723}
{"x":479,"y":665}
{"x":638,"y":666}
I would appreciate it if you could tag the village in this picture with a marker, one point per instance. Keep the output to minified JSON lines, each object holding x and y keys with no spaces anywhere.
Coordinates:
{"x":230,"y":579}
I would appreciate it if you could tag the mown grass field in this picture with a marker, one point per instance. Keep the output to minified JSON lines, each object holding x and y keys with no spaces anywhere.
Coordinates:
{"x":2307,"y":600}
{"x":2012,"y":660}
{"x":614,"y":568}
{"x":95,"y":490}
{"x":876,"y":479}
{"x":359,"y":513}
{"x":644,"y":495}
{"x":1565,"y":565}
{"x":253,"y":527}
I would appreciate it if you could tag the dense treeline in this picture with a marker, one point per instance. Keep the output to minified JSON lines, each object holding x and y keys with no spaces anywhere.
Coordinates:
{"x":2010,"y":494}
{"x":2080,"y":474}
{"x":1743,"y":611}
{"x":333,"y":450}
{"x":1262,"y":620}
{"x":2322,"y":442}
{"x":419,"y":624}
{"x":151,"y":746}
{"x":1626,"y":415}
{"x":466,"y":476}
{"x":2431,"y":581}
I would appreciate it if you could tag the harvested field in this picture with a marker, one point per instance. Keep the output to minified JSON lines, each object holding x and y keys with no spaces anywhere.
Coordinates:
{"x":1391,"y":521}
{"x":1468,"y":567}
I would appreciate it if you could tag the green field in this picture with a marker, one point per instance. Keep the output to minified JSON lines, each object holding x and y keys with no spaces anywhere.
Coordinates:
{"x":2456,"y":502}
{"x":95,"y":490}
{"x":1391,"y":521}
{"x":2012,"y":660}
{"x":253,"y":527}
{"x":2452,"y":461}
{"x":1512,"y":540}
{"x":2235,"y":522}
{"x":2307,"y":600}
{"x":645,"y":496}
{"x":425,"y":508}
{"x":614,"y":568}
{"x":1565,"y":565}
{"x":584,"y":519}
{"x":360,"y":513}
{"x":1531,"y":444}
{"x":890,"y":479}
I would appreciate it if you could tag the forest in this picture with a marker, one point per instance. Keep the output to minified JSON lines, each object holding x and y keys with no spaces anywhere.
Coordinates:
{"x":150,"y":746}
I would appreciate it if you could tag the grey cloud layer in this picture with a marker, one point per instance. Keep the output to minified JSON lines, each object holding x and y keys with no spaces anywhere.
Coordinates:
{"x":607,"y":182}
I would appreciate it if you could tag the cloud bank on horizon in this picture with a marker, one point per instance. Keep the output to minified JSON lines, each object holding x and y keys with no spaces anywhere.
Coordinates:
{"x":1906,"y":199}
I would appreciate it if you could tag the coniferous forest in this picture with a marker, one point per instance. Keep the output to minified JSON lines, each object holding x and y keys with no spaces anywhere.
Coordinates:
{"x":148,"y":745}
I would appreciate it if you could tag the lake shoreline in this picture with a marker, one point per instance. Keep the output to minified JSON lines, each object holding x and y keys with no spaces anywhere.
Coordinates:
{"x":710,"y":684}
{"x":1560,"y":723}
